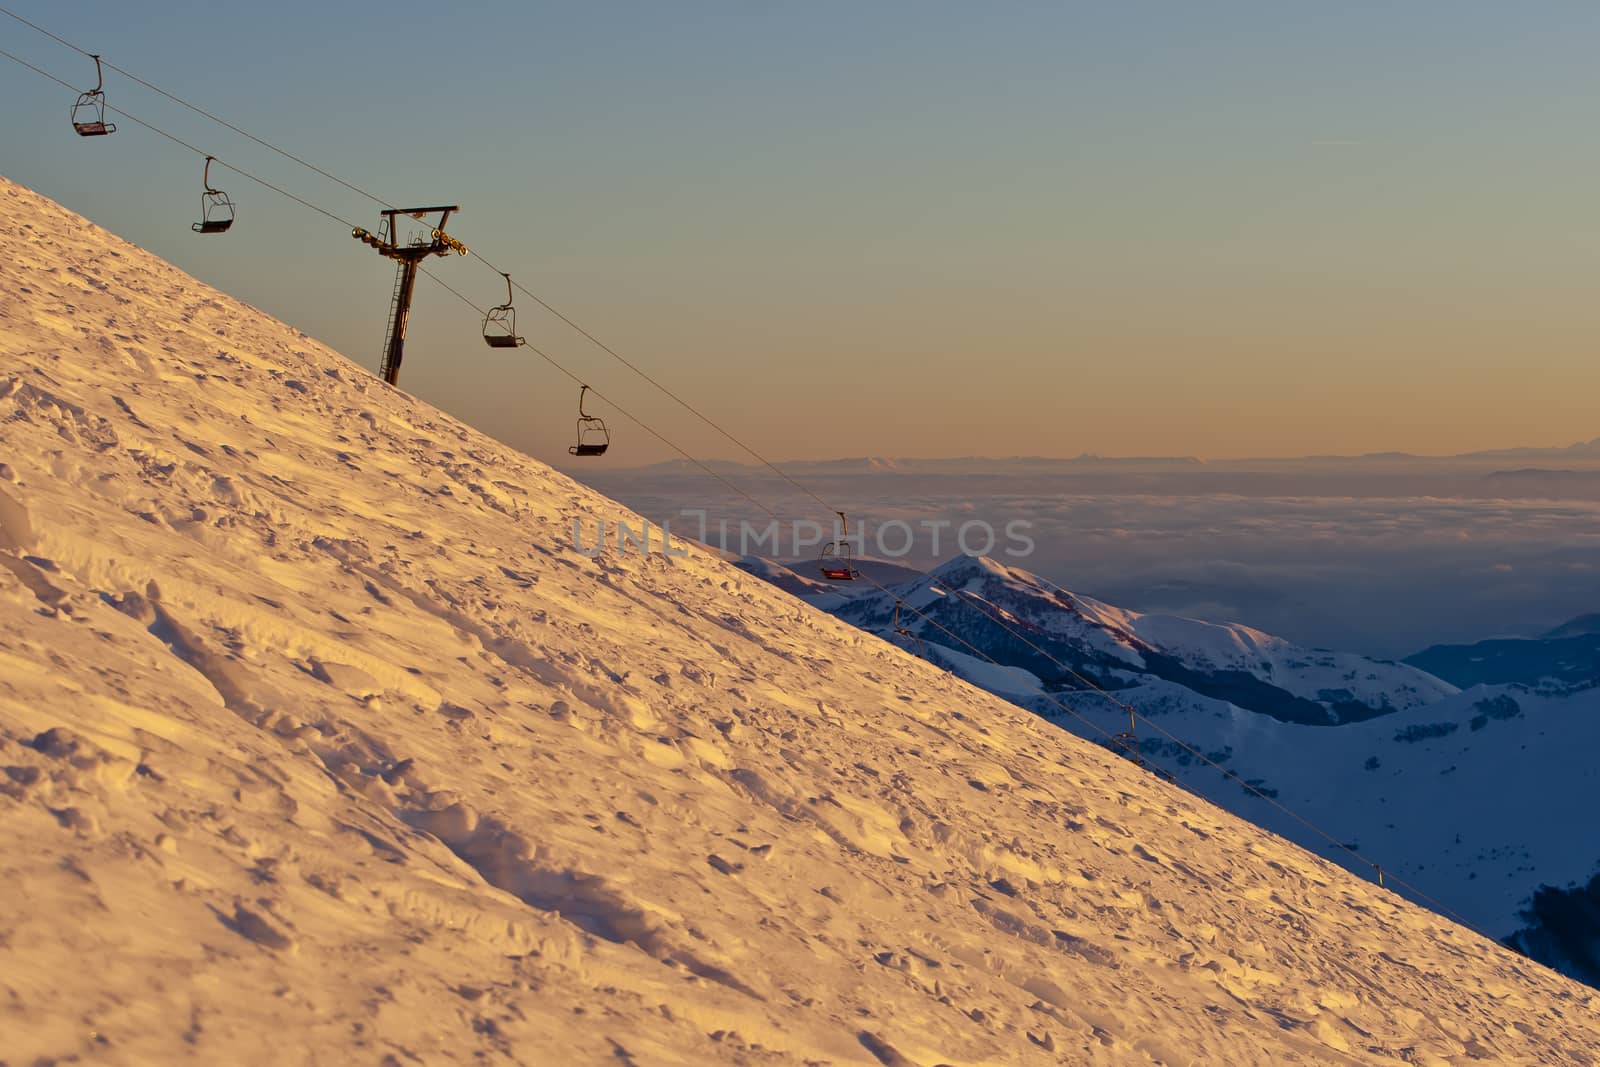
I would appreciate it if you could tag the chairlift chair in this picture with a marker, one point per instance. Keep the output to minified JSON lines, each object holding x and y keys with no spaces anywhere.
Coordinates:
{"x":216,"y":210}
{"x":835,"y":562}
{"x":1128,"y":741}
{"x":906,"y":635}
{"x":89,"y":113}
{"x":1126,"y":745}
{"x":500,"y":330}
{"x":593,"y":439}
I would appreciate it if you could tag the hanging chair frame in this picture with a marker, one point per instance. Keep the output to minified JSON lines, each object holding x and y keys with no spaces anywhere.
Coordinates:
{"x":593,"y":437}
{"x":836,"y":562}
{"x":500,"y":325}
{"x":917,"y":648}
{"x":89,"y":113}
{"x":216,"y":209}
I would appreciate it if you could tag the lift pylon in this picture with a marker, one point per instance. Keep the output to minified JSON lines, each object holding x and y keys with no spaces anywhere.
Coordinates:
{"x":410,"y":254}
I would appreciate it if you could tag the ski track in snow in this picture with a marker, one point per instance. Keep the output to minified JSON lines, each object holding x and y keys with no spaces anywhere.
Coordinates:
{"x":319,"y":744}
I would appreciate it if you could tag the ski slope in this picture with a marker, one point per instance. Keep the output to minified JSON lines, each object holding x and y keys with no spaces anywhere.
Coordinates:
{"x":319,"y":743}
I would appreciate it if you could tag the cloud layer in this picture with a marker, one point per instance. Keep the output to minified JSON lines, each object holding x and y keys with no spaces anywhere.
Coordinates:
{"x":1386,"y":572}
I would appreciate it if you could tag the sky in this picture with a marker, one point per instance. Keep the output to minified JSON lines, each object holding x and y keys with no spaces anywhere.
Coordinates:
{"x":906,"y":229}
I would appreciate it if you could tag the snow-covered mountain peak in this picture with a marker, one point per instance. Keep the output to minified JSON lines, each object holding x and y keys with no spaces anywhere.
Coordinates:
{"x":1069,"y":637}
{"x":959,"y":570}
{"x":319,"y":742}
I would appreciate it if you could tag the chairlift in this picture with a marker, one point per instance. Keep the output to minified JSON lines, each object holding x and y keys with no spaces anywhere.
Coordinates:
{"x":216,"y":210}
{"x":593,"y":440}
{"x":917,"y":647}
{"x":836,"y":563}
{"x":500,"y":330}
{"x":89,"y":113}
{"x":1126,"y":743}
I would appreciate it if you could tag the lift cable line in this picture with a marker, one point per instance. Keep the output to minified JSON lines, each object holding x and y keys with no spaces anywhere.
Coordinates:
{"x":642,"y":373}
{"x":1384,"y":878}
{"x":216,"y":205}
{"x":184,"y":144}
{"x":198,"y":110}
{"x":578,"y":381}
{"x":573,"y":324}
{"x":218,"y":214}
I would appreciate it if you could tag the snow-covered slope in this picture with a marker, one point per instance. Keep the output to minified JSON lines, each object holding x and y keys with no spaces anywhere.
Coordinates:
{"x":319,"y":743}
{"x":1468,"y":795}
{"x":1477,"y":800}
{"x":1117,"y":647}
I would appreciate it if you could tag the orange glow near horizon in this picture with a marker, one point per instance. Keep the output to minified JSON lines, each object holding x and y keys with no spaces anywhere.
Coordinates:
{"x":1224,"y":232}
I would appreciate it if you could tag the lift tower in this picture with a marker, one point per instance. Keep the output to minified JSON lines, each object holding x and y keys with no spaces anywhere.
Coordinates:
{"x":410,"y":254}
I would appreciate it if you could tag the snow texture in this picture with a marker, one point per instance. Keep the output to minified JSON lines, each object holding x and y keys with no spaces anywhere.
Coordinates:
{"x":1472,"y":796}
{"x":320,"y":744}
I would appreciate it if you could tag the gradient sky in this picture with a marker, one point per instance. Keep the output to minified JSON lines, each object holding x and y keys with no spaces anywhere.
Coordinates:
{"x":911,"y":229}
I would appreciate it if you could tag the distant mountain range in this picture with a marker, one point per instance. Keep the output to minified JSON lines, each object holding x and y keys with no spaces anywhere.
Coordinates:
{"x":1579,"y":452}
{"x":1078,"y":640}
{"x":1566,"y":659}
{"x":952,"y":465}
{"x":1469,"y":771}
{"x":1582,"y":449}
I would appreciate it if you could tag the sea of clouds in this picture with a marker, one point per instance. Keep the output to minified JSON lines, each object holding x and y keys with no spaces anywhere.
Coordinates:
{"x":1382,"y":556}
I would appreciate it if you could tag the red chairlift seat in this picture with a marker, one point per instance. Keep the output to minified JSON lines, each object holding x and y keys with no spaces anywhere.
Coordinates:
{"x":835,"y":562}
{"x":839,"y":573}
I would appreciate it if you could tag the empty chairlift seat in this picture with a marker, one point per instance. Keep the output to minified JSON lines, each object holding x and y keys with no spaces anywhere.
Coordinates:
{"x":216,"y":210}
{"x":89,"y":113}
{"x":593,"y":438}
{"x":500,"y":324}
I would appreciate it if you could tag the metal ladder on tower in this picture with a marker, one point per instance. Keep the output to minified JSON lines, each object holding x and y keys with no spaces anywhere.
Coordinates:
{"x":394,"y":322}
{"x":386,"y":242}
